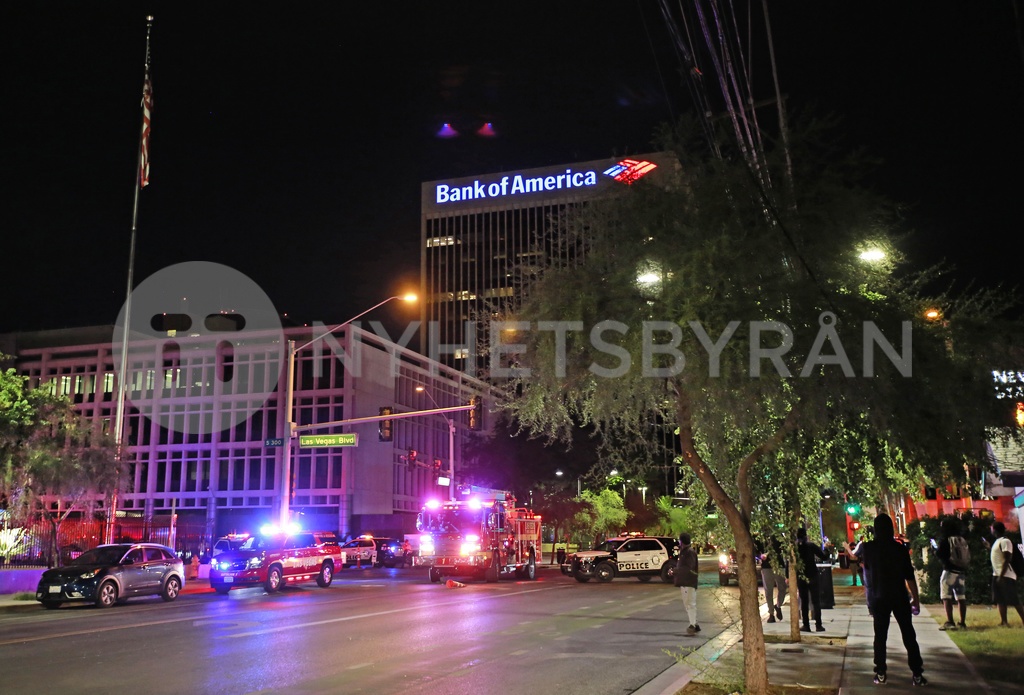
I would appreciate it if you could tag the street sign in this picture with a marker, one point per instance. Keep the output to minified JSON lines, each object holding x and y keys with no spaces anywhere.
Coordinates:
{"x":278,"y":441}
{"x":323,"y":440}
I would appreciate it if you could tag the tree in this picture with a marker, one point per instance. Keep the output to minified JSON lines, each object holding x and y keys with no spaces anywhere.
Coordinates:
{"x":751,"y":324}
{"x":557,"y":508}
{"x":49,"y":455}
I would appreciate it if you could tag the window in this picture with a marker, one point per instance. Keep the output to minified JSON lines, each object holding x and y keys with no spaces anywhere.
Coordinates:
{"x":154,"y":554}
{"x":134,"y":556}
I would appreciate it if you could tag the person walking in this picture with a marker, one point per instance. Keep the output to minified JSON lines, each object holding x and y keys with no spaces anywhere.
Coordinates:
{"x":1004,"y":579}
{"x":890,"y":575}
{"x":406,"y":553}
{"x":686,"y":580}
{"x":952,"y":552}
{"x":807,"y":580}
{"x":773,"y":576}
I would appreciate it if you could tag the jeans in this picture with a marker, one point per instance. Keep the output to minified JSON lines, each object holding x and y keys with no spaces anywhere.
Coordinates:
{"x":900,"y":609}
{"x":690,"y":603}
{"x":811,"y":589}
{"x":772,"y":580}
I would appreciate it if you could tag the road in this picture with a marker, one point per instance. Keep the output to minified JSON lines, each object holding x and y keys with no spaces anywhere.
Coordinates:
{"x":372,"y":631}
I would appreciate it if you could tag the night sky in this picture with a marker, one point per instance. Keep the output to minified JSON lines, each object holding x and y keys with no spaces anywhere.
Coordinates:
{"x":289,"y":141}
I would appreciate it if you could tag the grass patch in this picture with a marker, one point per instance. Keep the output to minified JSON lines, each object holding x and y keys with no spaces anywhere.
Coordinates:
{"x":996,"y":652}
{"x":24,"y":596}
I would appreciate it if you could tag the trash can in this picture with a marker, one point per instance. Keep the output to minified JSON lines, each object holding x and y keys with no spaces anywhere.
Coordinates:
{"x":844,"y":561}
{"x":825,"y":590}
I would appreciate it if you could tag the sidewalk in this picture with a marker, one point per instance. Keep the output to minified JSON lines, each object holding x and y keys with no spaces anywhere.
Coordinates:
{"x":840,"y":659}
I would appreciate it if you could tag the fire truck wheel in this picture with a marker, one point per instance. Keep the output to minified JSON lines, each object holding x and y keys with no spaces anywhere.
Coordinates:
{"x":435,"y":576}
{"x":530,"y":571}
{"x":644,"y":578}
{"x":605,"y":571}
{"x":668,"y":572}
{"x":581,"y":579}
{"x":273,"y":582}
{"x":326,"y":575}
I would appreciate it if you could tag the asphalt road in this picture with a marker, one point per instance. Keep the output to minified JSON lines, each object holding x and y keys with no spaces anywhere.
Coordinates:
{"x":372,"y":631}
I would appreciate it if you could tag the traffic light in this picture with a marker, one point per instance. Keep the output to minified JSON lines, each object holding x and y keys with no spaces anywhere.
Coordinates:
{"x":853,"y":509}
{"x":437,"y":468}
{"x":476,"y":415}
{"x":410,"y":458}
{"x":855,"y":526}
{"x":385,"y":431}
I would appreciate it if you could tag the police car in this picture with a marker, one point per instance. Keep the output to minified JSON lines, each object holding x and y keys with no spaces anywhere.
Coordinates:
{"x":642,"y":557}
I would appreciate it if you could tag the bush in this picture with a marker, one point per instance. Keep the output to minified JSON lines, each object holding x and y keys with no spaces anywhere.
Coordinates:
{"x":978,"y":533}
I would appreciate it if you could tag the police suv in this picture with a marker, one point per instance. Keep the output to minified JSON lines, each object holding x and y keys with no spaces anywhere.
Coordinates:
{"x":642,"y":557}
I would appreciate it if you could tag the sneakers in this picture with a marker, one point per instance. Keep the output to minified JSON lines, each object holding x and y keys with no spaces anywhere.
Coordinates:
{"x":962,"y":626}
{"x":778,"y":612}
{"x":819,"y":628}
{"x":920,"y":680}
{"x":696,"y":627}
{"x":771,"y":618}
{"x":805,"y":628}
{"x":948,"y":626}
{"x":879,"y":679}
{"x":690,"y":631}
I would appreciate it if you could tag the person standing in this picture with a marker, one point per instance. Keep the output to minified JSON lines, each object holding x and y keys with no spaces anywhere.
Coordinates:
{"x":807,"y":579}
{"x":951,"y":551}
{"x":853,"y":556}
{"x":406,"y":553}
{"x":1004,"y":579}
{"x":686,"y":580}
{"x":890,"y":575}
{"x":773,"y":576}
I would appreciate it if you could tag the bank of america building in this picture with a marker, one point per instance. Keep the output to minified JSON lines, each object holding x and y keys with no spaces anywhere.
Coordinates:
{"x":484,"y":237}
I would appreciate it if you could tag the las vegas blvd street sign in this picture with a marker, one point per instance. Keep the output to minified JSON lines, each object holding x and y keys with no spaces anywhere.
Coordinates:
{"x":322,"y":440}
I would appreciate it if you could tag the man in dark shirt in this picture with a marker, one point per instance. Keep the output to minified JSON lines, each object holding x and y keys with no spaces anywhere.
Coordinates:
{"x":890,"y":576}
{"x":807,"y":579}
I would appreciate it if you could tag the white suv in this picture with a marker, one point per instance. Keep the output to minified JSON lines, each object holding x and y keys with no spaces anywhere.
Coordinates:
{"x":642,"y":557}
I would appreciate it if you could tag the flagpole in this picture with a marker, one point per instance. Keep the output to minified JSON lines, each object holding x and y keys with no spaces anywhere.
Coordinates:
{"x":141,"y":179}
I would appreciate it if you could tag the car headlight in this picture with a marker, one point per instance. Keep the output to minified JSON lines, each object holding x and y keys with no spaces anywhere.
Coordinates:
{"x":254,"y":563}
{"x":91,"y":574}
{"x":723,"y":560}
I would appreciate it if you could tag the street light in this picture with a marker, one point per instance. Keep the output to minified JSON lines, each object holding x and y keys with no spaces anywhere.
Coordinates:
{"x":451,"y":443}
{"x":289,"y":404}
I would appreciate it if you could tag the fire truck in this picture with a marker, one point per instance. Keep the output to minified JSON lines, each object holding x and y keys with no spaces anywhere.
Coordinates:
{"x":481,"y":537}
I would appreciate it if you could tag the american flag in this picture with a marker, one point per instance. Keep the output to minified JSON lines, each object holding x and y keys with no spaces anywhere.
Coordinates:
{"x":147,"y":114}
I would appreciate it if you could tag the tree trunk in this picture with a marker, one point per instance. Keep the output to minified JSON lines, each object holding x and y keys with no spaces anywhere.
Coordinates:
{"x":755,"y":663}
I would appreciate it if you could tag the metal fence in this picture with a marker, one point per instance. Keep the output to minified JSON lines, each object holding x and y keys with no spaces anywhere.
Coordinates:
{"x":31,"y":545}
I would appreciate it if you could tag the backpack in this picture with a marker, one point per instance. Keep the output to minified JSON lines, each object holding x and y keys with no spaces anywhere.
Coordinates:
{"x":959,"y":553}
{"x":1017,"y":561}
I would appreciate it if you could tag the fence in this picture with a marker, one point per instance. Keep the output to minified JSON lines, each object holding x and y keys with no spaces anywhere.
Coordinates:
{"x":31,"y":545}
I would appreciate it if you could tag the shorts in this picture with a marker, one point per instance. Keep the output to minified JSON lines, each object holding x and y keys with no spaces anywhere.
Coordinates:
{"x":1004,"y":591}
{"x":952,"y":586}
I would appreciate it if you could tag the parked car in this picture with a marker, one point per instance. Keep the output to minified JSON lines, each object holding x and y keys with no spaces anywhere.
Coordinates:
{"x":361,"y":551}
{"x":728,"y":569}
{"x":110,"y":574}
{"x":389,"y":551}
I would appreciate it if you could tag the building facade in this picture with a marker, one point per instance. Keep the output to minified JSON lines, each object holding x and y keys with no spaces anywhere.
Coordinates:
{"x":206,"y":428}
{"x":483,"y":238}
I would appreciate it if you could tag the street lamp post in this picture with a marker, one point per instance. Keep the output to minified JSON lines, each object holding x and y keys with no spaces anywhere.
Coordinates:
{"x":451,"y":443}
{"x":289,"y":404}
